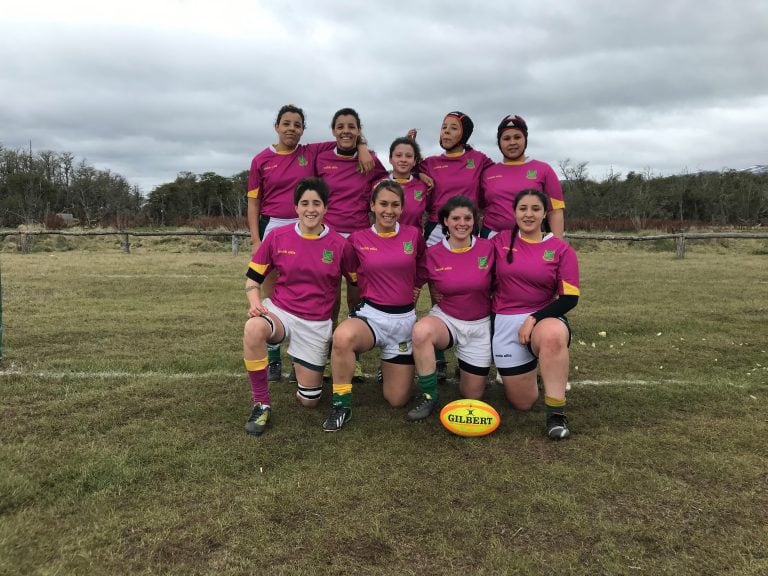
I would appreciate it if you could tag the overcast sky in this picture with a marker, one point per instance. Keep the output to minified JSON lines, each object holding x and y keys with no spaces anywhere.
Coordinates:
{"x":150,"y":89}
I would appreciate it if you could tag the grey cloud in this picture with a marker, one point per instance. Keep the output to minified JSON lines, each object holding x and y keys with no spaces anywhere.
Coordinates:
{"x":589,"y":76}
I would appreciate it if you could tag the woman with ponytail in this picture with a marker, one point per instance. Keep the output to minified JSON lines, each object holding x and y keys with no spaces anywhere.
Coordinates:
{"x":537,"y":283}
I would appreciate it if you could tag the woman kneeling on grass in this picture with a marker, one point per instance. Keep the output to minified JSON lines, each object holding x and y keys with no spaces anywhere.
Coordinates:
{"x":537,"y":282}
{"x":308,"y":257}
{"x":388,"y":261}
{"x":459,"y":270}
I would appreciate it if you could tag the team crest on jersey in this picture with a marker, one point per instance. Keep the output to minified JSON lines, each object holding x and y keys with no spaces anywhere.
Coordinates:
{"x":531,"y":175}
{"x":302,"y":160}
{"x":470,"y":163}
{"x":549,"y":255}
{"x":328,"y":256}
{"x":418,"y":195}
{"x":482,"y":262}
{"x":403,"y":346}
{"x":408,"y":247}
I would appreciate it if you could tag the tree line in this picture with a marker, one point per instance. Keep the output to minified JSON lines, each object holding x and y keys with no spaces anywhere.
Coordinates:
{"x":36,"y":185}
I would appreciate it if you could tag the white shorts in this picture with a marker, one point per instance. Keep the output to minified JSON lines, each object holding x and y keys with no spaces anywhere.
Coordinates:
{"x":309,"y":340}
{"x":436,"y":236}
{"x":507,"y":350}
{"x":471,"y":338}
{"x":391,"y":332}
{"x":276,"y":223}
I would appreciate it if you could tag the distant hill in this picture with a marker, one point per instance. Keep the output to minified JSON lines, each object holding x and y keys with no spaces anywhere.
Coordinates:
{"x":757,"y":169}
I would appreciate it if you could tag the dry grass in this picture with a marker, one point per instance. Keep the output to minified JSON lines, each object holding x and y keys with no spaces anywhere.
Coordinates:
{"x":123,"y":401}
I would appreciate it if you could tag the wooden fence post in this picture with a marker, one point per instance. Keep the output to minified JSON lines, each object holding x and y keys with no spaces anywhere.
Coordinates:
{"x":126,"y":244}
{"x":235,"y":244}
{"x":680,"y":246}
{"x":24,"y":244}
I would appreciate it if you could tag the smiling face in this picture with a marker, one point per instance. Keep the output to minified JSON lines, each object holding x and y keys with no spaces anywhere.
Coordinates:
{"x":289,"y":129}
{"x":311,"y":211}
{"x":403,"y":159}
{"x":386,"y":207}
{"x":346,"y":131}
{"x":450,"y":134}
{"x":529,"y":214}
{"x":460,"y":222}
{"x":512,"y":144}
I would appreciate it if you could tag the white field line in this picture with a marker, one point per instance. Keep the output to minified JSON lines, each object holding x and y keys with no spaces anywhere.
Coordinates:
{"x":119,"y":374}
{"x":201,"y":375}
{"x":148,"y":275}
{"x":578,"y":383}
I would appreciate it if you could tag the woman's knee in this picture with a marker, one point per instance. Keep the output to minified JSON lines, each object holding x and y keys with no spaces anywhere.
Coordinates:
{"x":344,"y":337}
{"x":256,"y":330}
{"x":422,"y":334}
{"x":550,"y":342}
{"x":397,"y":398}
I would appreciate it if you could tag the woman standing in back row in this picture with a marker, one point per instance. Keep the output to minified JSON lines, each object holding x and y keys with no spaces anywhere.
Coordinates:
{"x":503,"y":181}
{"x":455,"y":172}
{"x":350,"y":188}
{"x":404,"y":156}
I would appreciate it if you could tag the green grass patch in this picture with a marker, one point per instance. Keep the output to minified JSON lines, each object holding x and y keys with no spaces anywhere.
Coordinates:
{"x":123,"y":400}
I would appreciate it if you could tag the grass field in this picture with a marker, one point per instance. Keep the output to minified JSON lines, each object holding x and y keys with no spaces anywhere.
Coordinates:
{"x":122,"y":450}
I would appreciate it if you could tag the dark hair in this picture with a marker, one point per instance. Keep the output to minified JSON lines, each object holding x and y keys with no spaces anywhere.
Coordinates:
{"x":528,"y":192}
{"x":410,"y":142}
{"x":346,"y":112}
{"x":291,"y":108}
{"x":314,"y":183}
{"x":390,"y":185}
{"x":454,"y":202}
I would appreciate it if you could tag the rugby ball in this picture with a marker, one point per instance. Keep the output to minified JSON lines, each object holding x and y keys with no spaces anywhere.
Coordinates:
{"x":466,"y":417}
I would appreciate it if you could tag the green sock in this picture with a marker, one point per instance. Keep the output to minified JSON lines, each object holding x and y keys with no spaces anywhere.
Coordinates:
{"x":342,"y":395}
{"x":440,"y":356}
{"x":273,"y":352}
{"x":428,"y":385}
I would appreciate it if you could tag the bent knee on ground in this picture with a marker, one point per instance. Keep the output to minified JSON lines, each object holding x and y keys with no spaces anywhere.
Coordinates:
{"x":397,"y":399}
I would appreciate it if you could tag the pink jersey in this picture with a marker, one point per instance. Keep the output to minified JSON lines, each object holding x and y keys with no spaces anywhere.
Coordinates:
{"x":350,"y":198}
{"x":387,"y":268}
{"x":462,"y":278}
{"x":454,"y":174}
{"x":416,"y":197}
{"x":539,"y":273}
{"x":309,"y":267}
{"x":274,"y":176}
{"x":501,"y":184}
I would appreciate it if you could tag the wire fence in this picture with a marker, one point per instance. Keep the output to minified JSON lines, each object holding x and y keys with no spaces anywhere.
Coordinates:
{"x":23,"y":239}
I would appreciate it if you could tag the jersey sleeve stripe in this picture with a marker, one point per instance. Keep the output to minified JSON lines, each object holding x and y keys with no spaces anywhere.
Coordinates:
{"x":570,"y":289}
{"x":253,"y":193}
